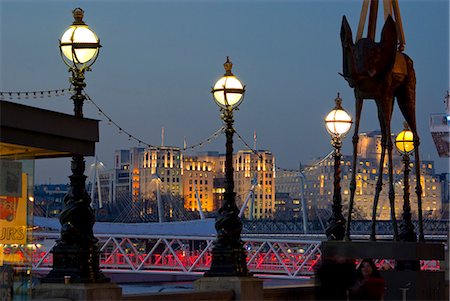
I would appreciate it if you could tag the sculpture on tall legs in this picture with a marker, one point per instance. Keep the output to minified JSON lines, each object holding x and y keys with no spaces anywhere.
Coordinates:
{"x":381,"y":71}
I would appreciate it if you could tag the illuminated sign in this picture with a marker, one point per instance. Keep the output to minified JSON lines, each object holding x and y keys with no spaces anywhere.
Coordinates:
{"x":13,"y":216}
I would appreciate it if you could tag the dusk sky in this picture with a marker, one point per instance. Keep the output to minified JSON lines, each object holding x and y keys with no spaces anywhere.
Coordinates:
{"x":160,"y":59}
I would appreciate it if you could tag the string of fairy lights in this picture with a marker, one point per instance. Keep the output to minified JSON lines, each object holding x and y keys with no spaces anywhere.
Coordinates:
{"x":131,"y":136}
{"x":12,"y":95}
{"x":45,"y":94}
{"x":305,"y":168}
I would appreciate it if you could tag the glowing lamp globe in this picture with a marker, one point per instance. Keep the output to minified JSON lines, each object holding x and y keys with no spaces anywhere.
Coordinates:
{"x":405,"y":141}
{"x":228,"y":91}
{"x":79,"y":44}
{"x":338,"y":122}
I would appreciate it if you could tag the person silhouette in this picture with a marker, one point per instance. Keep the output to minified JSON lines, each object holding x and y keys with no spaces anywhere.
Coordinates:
{"x":369,"y":284}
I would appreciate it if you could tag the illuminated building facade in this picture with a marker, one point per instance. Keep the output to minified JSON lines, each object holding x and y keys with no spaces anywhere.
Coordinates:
{"x":205,"y":174}
{"x":319,"y":185}
{"x":259,"y":166}
{"x":141,"y":173}
{"x":162,"y":166}
{"x":200,"y":174}
{"x":121,"y":179}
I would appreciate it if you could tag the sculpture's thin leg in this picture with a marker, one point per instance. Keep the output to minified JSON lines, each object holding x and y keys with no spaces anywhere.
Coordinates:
{"x":391,"y":174}
{"x":355,"y":139}
{"x":379,"y":185}
{"x":407,"y":103}
{"x":412,"y":125}
{"x":418,"y":187}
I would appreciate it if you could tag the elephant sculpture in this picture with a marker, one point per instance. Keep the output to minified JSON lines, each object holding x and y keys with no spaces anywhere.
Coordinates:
{"x":380,"y":71}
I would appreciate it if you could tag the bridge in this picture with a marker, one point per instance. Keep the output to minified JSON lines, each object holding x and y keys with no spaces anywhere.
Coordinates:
{"x":184,"y":248}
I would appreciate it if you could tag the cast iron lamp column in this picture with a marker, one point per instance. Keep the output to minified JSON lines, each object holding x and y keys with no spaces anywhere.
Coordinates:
{"x":338,"y":123}
{"x":228,"y":254}
{"x":405,"y":145}
{"x":76,"y":253}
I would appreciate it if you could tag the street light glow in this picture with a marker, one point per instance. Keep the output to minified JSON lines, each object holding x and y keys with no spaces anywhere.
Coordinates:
{"x":338,"y":122}
{"x":405,"y":141}
{"x":78,"y":44}
{"x":228,"y":91}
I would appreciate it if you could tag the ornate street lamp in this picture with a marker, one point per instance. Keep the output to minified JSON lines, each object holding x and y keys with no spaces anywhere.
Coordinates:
{"x":338,"y":123}
{"x":228,"y":254}
{"x":405,"y":145}
{"x":76,"y":254}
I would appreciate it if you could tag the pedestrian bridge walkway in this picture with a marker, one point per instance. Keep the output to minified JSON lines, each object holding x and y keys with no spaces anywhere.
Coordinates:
{"x":130,"y":249}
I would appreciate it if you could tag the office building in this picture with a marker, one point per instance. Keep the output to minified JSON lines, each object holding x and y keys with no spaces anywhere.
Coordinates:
{"x":319,"y":186}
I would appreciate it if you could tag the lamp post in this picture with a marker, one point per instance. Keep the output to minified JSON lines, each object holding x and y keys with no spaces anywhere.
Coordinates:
{"x":228,"y":254}
{"x":405,"y":145}
{"x":76,"y":254}
{"x":338,"y":123}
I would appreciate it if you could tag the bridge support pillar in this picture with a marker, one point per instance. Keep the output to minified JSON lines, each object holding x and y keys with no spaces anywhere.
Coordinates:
{"x":77,"y":291}
{"x":245,"y":288}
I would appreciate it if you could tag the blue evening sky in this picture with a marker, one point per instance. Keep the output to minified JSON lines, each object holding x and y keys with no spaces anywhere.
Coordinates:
{"x":160,"y":58}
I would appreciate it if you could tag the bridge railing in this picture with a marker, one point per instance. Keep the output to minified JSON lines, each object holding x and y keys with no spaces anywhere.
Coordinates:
{"x":288,"y":258}
{"x":273,"y":257}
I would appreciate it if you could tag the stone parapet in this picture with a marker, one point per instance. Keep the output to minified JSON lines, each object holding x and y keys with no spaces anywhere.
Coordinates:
{"x":245,"y":288}
{"x":77,"y":292}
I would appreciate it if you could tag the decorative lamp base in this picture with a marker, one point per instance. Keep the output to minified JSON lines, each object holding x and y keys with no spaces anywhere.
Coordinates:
{"x":228,"y":261}
{"x":74,"y":264}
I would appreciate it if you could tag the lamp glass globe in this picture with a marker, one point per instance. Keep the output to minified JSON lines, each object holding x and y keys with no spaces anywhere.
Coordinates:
{"x":73,"y":38}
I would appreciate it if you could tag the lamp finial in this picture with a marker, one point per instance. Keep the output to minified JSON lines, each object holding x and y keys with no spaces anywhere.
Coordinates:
{"x":228,"y":65}
{"x":338,"y":101}
{"x":78,"y":15}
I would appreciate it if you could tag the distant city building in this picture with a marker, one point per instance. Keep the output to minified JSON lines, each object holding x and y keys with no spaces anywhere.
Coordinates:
{"x":201,"y":174}
{"x":319,"y":187}
{"x":139,"y":174}
{"x":48,"y":199}
{"x":293,"y":183}
{"x":286,"y":207}
{"x":120,"y":176}
{"x":205,"y":173}
{"x":162,"y":164}
{"x":289,"y":181}
{"x":261,"y":167}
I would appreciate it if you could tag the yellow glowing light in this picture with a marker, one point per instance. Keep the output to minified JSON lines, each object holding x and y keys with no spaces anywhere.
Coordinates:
{"x":79,"y":44}
{"x":405,"y":142}
{"x":228,"y":91}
